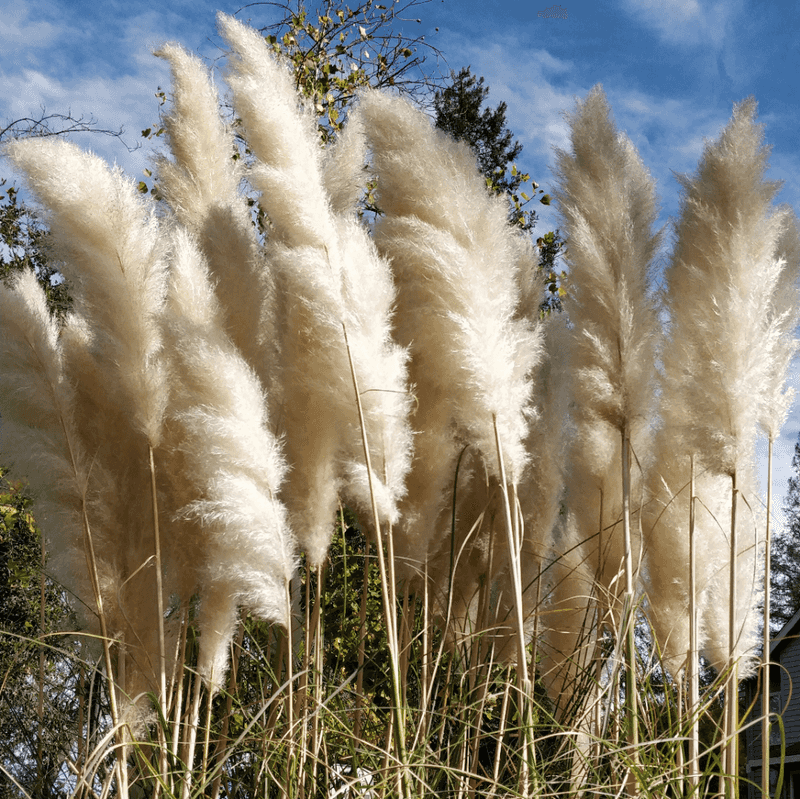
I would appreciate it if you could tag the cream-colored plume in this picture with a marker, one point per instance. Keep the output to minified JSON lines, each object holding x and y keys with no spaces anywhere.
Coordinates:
{"x":39,"y":436}
{"x":454,"y":260}
{"x":724,"y":362}
{"x":225,"y":468}
{"x":335,"y":301}
{"x":106,"y":241}
{"x":202,"y":185}
{"x":780,"y":323}
{"x":608,"y":204}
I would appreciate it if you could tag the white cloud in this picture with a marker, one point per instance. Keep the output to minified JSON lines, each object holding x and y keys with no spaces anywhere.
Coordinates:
{"x":686,"y":23}
{"x":95,"y":66}
{"x":18,"y":30}
{"x":539,"y":87}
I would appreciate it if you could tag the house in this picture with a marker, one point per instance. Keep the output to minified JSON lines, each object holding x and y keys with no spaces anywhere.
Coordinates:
{"x":784,"y":690}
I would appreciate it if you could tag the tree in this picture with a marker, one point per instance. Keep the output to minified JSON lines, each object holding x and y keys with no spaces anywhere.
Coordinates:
{"x":335,"y":51}
{"x":459,"y":112}
{"x":785,"y":576}
{"x":24,"y":241}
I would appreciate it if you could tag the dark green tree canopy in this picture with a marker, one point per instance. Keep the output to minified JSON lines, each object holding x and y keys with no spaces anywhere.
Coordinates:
{"x":785,"y":555}
{"x":459,"y":112}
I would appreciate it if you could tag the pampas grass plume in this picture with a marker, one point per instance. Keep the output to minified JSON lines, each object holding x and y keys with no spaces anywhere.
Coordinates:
{"x":231,"y":521}
{"x":335,"y":301}
{"x":472,"y":354}
{"x":106,"y":241}
{"x":201,"y":183}
{"x":608,"y":203}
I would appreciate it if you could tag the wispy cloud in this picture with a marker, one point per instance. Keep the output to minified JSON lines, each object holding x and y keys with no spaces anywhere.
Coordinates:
{"x":98,"y":66}
{"x":686,"y":23}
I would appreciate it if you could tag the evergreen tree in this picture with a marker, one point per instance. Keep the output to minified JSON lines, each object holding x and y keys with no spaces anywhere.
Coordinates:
{"x":459,"y":112}
{"x":785,"y":576}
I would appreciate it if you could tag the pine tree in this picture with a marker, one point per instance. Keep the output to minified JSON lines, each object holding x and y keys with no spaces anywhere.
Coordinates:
{"x":785,"y":577}
{"x":459,"y":112}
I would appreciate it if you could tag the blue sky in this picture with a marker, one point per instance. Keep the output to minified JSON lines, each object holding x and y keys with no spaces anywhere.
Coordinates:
{"x":672,"y":71}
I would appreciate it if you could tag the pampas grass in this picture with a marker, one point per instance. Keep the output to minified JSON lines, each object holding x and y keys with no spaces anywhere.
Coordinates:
{"x":201,"y":183}
{"x":107,"y":241}
{"x":335,"y":302}
{"x":230,"y":468}
{"x":220,"y":387}
{"x":471,"y":354}
{"x":718,"y":364}
{"x":608,"y":204}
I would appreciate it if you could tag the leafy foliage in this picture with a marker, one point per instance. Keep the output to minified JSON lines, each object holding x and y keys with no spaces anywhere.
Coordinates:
{"x":24,"y":246}
{"x":785,"y":576}
{"x":336,"y":50}
{"x":39,"y":674}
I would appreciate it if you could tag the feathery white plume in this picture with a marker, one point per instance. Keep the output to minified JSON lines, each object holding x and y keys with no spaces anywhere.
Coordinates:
{"x":106,"y":241}
{"x":230,"y":464}
{"x":725,"y":339}
{"x":607,"y":200}
{"x":333,"y":288}
{"x":201,"y":184}
{"x":454,"y":259}
{"x":39,"y":437}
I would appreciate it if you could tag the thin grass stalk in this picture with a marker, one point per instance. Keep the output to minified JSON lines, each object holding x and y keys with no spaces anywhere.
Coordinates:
{"x":409,"y":611}
{"x":362,"y":627}
{"x":680,"y":766}
{"x":232,"y":688}
{"x":522,"y":676}
{"x":302,"y":691}
{"x":389,"y":608}
{"x":81,"y":752}
{"x":476,"y":669}
{"x":501,"y":732}
{"x":91,"y":563}
{"x":316,"y":693}
{"x":189,"y":747}
{"x":484,"y":607}
{"x":179,"y":689}
{"x":277,"y":670}
{"x":319,"y":718}
{"x":484,"y":692}
{"x":392,"y":573}
{"x":427,"y":653}
{"x":177,"y":663}
{"x":162,"y":655}
{"x":289,"y":691}
{"x":206,"y":738}
{"x":692,"y":663}
{"x":732,"y":686}
{"x":444,"y":698}
{"x":40,"y":709}
{"x":124,"y":732}
{"x":463,"y":751}
{"x":765,"y":704}
{"x":628,"y":615}
{"x":536,"y":617}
